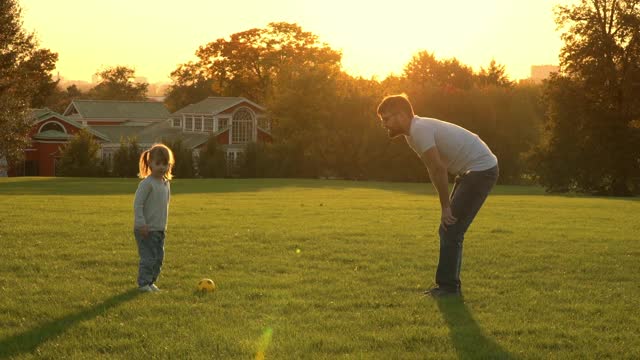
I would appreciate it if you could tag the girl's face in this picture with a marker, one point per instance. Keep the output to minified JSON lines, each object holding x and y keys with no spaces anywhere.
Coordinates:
{"x":158,"y":167}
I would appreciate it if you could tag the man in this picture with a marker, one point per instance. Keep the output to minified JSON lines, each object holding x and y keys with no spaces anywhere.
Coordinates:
{"x":446,"y":148}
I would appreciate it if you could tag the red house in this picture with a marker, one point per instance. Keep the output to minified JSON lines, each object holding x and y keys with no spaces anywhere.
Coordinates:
{"x":235,"y":121}
{"x":49,"y":132}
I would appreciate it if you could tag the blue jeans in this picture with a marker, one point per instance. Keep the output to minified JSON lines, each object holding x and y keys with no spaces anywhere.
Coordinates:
{"x":151,"y":251}
{"x":468,"y":195}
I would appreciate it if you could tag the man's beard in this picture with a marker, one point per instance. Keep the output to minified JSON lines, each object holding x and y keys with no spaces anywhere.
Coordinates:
{"x":393,"y":133}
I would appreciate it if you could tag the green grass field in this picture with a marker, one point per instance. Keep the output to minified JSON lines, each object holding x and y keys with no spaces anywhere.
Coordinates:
{"x":544,"y":276}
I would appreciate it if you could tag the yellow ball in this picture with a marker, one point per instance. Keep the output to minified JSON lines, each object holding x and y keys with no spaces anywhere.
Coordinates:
{"x":206,"y":285}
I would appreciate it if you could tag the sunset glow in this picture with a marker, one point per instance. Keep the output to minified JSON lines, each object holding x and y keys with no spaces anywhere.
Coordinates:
{"x":376,"y":38}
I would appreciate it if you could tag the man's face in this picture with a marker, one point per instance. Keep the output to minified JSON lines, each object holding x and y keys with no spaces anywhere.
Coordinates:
{"x":392,"y":122}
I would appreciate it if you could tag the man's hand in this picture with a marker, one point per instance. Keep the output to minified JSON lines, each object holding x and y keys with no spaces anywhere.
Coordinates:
{"x":447,"y":217}
{"x":144,"y":230}
{"x":439,"y":178}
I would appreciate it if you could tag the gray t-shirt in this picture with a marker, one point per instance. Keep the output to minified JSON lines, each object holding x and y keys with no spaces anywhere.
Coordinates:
{"x":460,"y":149}
{"x":151,"y":204}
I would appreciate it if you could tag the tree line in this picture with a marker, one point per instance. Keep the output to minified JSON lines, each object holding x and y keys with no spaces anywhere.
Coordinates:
{"x":577,"y":131}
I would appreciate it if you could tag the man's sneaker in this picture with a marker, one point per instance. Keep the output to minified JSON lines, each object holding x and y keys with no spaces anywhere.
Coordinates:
{"x":439,"y":292}
{"x":145,"y":288}
{"x":154,"y":288}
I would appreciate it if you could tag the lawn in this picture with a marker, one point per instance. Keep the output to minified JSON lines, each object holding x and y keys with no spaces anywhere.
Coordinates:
{"x":543,"y":276}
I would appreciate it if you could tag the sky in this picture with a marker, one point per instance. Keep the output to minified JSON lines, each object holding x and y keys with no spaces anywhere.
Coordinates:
{"x":376,"y":38}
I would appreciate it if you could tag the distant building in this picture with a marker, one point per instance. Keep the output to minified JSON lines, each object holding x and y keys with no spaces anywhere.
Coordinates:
{"x":49,"y":132}
{"x":159,"y":99}
{"x":541,"y":72}
{"x":233,"y":121}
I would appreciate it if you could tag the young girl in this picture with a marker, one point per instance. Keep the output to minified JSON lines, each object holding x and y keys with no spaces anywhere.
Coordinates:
{"x":151,"y":208}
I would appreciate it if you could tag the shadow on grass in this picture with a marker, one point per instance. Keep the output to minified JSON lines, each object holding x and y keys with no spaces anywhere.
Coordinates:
{"x":466,"y":335}
{"x":118,"y":186}
{"x":29,"y":340}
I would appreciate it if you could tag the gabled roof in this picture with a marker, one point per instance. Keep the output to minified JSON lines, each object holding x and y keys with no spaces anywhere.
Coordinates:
{"x":40,"y":115}
{"x":115,"y":109}
{"x":214,"y":105}
{"x":52,"y":135}
{"x":153,"y":133}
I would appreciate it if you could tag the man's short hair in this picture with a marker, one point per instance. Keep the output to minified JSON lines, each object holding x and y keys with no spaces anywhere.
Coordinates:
{"x":395,"y":103}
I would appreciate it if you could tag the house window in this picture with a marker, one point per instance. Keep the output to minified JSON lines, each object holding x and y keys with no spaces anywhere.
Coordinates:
{"x":233,"y":157}
{"x":223,"y":123}
{"x":208,"y":123}
{"x":242,"y":127}
{"x":52,"y":126}
{"x":197,"y":123}
{"x":188,"y":122}
{"x":177,"y":122}
{"x":107,"y":157}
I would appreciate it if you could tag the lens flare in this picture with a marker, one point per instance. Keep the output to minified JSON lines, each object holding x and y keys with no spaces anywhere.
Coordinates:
{"x":264,"y":342}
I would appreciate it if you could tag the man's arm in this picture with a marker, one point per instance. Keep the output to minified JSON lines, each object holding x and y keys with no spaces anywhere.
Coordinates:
{"x":440,"y":180}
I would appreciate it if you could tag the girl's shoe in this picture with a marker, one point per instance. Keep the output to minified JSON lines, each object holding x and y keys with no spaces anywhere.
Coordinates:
{"x":154,"y":288}
{"x":145,"y":288}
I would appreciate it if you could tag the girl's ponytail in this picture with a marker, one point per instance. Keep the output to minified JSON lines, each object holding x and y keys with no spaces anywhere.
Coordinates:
{"x":143,"y":165}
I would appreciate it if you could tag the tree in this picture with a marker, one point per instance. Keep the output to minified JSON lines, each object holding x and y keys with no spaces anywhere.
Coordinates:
{"x":303,"y":108}
{"x":183,"y":157}
{"x":118,"y":83}
{"x":39,"y":68}
{"x":80,"y":156}
{"x":349,"y":156}
{"x":59,"y":99}
{"x":181,"y":94}
{"x":189,"y":85}
{"x":73,"y":91}
{"x":212,"y":162}
{"x":24,"y":80}
{"x":448,"y":74}
{"x":126,"y":159}
{"x":494,"y":75}
{"x":593,"y":102}
{"x":248,"y":63}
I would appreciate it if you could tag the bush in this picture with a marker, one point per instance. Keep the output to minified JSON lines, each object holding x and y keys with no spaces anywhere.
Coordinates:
{"x":212,"y":161}
{"x":184,"y":167}
{"x":127,"y":158}
{"x":80,"y":156}
{"x":256,"y":161}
